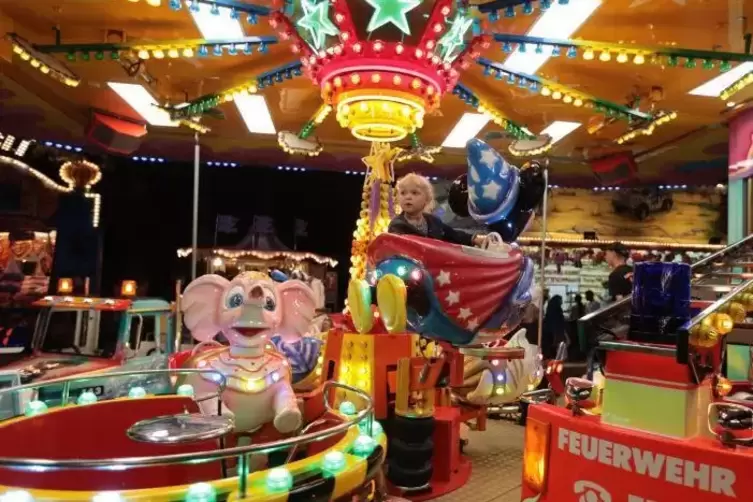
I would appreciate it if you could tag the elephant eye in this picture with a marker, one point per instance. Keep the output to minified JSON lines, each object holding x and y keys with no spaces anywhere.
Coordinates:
{"x":269,"y":304}
{"x":234,"y":298}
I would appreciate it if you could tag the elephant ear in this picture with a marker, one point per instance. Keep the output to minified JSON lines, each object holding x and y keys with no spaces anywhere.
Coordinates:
{"x":200,"y":303}
{"x":298,"y":309}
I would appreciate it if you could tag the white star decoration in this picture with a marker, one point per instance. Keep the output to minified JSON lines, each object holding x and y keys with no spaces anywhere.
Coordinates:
{"x":474,"y":175}
{"x":488,"y":158}
{"x":453,"y":297}
{"x":472,"y":324}
{"x":465,"y":313}
{"x":443,"y":278}
{"x":491,"y":190}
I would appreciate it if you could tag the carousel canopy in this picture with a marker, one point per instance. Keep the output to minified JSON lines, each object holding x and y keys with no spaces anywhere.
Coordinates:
{"x":573,"y":79}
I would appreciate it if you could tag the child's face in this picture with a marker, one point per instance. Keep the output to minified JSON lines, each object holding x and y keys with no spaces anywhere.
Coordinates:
{"x":411,"y":198}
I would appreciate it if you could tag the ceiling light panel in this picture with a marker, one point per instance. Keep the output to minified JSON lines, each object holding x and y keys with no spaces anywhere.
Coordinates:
{"x":143,"y":103}
{"x":469,"y":125}
{"x":559,"y":129}
{"x":559,"y":21}
{"x":216,"y":23}
{"x":714,"y":87}
{"x":255,"y":113}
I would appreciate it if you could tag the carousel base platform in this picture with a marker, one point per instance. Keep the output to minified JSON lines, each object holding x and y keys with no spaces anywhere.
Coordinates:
{"x":497,"y":458}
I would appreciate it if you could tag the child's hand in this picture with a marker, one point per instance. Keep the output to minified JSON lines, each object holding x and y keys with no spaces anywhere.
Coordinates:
{"x":479,"y":240}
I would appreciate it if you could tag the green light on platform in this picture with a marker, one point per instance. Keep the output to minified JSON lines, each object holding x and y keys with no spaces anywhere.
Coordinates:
{"x":136,"y":392}
{"x":185,"y":390}
{"x":87,"y":397}
{"x":364,"y":445}
{"x":35,"y":408}
{"x":279,"y":479}
{"x":376,"y":428}
{"x":201,"y":492}
{"x":333,"y":462}
{"x":348,"y":408}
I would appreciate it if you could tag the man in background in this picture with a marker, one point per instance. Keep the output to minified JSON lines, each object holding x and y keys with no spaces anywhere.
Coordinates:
{"x":620,"y":282}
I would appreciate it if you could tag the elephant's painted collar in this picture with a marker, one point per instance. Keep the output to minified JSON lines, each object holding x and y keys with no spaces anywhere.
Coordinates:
{"x":250,"y":376}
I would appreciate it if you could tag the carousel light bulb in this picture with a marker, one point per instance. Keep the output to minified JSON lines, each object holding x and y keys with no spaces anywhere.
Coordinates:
{"x":107,"y":497}
{"x":499,"y":391}
{"x":44,"y":69}
{"x":279,"y":479}
{"x":188,"y":52}
{"x":355,"y":78}
{"x":143,"y":54}
{"x":25,"y":56}
{"x":419,"y":53}
{"x":201,"y":492}
{"x":556,"y":95}
{"x":173,"y":53}
{"x":338,"y":82}
{"x":347,"y":408}
{"x":136,"y":392}
{"x":622,"y":58}
{"x":333,"y":462}
{"x":605,"y":56}
{"x":159,"y":54}
{"x":364,"y":445}
{"x":588,"y":54}
{"x":567,"y":99}
{"x":578,"y":102}
{"x":17,"y":49}
{"x":639,"y":59}
{"x":399,"y":48}
{"x":357,"y":47}
{"x":87,"y":397}
{"x":185,"y":390}
{"x":35,"y":408}
{"x":376,"y":78}
{"x":35,"y":63}
{"x":546,"y":91}
{"x":17,"y":496}
{"x":378,"y":46}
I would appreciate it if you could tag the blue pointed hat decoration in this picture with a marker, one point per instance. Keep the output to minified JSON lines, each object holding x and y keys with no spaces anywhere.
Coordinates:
{"x":493,"y":184}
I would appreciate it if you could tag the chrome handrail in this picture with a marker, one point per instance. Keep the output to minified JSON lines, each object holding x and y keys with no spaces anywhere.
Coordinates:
{"x":67,"y":381}
{"x":613,"y":307}
{"x":124,"y":463}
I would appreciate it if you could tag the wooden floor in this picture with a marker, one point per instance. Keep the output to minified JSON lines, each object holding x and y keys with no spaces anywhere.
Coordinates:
{"x":497,"y":456}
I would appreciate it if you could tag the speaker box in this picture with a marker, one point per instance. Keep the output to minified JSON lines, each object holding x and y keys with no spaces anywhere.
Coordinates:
{"x":113,"y":134}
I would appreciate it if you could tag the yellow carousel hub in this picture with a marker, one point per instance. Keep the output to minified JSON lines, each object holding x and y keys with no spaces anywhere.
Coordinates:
{"x":380,"y":116}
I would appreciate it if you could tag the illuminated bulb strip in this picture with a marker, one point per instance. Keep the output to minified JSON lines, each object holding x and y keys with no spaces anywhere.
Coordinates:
{"x":262,"y":255}
{"x":69,"y":80}
{"x":647,"y":130}
{"x":47,"y":182}
{"x":738,"y":86}
{"x":529,"y":153}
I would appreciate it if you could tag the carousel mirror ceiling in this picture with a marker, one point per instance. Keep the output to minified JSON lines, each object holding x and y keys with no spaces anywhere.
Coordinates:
{"x":36,"y":106}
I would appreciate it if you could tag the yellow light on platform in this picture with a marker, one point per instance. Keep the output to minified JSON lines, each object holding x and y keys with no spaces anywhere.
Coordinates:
{"x":605,"y":56}
{"x":173,"y":53}
{"x":65,"y":286}
{"x":622,"y":57}
{"x":188,"y":52}
{"x":144,"y":54}
{"x":588,"y":54}
{"x":639,"y":59}
{"x":567,"y":99}
{"x":154,"y":3}
{"x":556,"y":95}
{"x":546,"y":91}
{"x":158,"y":54}
{"x":578,"y":102}
{"x":128,"y":288}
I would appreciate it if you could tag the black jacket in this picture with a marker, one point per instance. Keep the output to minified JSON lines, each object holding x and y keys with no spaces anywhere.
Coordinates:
{"x":436,"y":229}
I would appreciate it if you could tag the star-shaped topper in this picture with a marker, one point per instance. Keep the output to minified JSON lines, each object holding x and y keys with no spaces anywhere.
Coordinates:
{"x":391,"y":11}
{"x":455,"y":37}
{"x":380,"y":160}
{"x":316,"y":20}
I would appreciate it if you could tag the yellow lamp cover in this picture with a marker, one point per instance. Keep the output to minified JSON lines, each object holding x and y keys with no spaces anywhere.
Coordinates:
{"x":359,"y":303}
{"x":391,"y":298}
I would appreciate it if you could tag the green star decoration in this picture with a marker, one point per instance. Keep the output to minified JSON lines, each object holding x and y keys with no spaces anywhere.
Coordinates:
{"x":316,"y":20}
{"x":455,"y":37}
{"x":391,"y":11}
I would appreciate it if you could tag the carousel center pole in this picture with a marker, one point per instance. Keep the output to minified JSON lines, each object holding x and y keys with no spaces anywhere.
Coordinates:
{"x":542,"y":262}
{"x":195,"y":228}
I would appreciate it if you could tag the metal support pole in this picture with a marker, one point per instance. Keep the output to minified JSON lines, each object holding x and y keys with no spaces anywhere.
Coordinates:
{"x":542,"y":262}
{"x":195,"y":236}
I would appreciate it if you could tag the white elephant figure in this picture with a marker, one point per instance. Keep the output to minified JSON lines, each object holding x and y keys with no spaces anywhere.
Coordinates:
{"x":502,"y":381}
{"x":249,"y":310}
